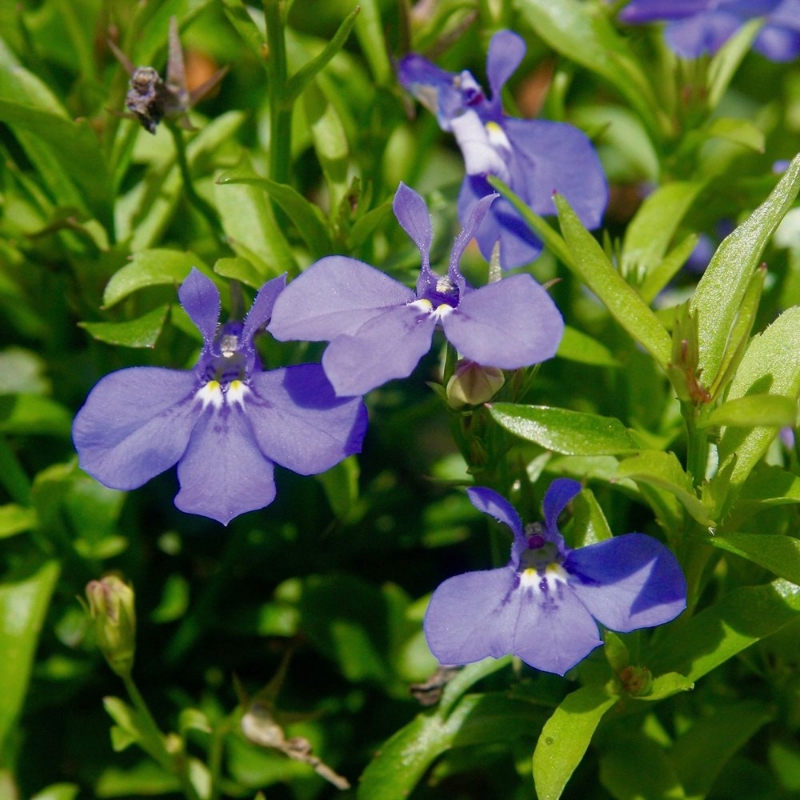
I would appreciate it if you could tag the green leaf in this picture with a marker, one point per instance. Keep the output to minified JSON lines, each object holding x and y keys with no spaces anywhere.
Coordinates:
{"x":58,"y":791}
{"x":769,"y":486}
{"x":669,"y":267}
{"x":589,"y":523}
{"x":777,"y":553}
{"x":719,"y":632}
{"x":664,"y":471}
{"x":33,"y":413}
{"x":665,"y":686}
{"x":585,"y":35}
{"x":341,"y":487}
{"x":724,"y":64}
{"x":156,"y":267}
{"x":249,"y":224}
{"x":239,"y":269}
{"x":634,"y":767}
{"x":15,"y":519}
{"x":753,"y":410}
{"x":740,"y":131}
{"x":565,"y":738}
{"x":369,"y":30}
{"x":365,"y":226}
{"x":720,"y":291}
{"x":704,"y":749}
{"x":239,"y":17}
{"x":770,"y":364}
{"x":24,"y":599}
{"x":585,"y":349}
{"x":568,"y":432}
{"x":307,"y":218}
{"x":592,"y":266}
{"x":141,"y":332}
{"x":652,"y":228}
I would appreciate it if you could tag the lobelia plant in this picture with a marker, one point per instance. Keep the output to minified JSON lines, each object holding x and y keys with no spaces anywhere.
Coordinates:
{"x":225,"y":423}
{"x":544,"y":605}
{"x":534,"y":157}
{"x":378,"y":329}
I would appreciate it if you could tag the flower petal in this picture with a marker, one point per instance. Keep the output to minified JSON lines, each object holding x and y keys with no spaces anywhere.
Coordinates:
{"x":652,"y":10}
{"x":433,"y":87}
{"x":628,"y":582}
{"x":335,"y":295}
{"x":300,"y":423}
{"x":557,"y":157}
{"x":481,"y":157}
{"x":412,"y":214}
{"x":491,"y":503}
{"x":223,"y":473}
{"x":200,"y":300}
{"x":558,"y":494}
{"x":261,"y":310}
{"x":554,"y":630}
{"x":386,"y":347}
{"x":702,"y":33}
{"x":508,"y":324}
{"x":135,"y":424}
{"x":506,"y":51}
{"x":473,"y":616}
{"x":476,"y":216}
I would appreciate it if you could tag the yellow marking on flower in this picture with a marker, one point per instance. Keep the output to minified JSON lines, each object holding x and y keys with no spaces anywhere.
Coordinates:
{"x":422,"y":304}
{"x":497,"y":136}
{"x":529,"y":578}
{"x":237,"y":391}
{"x":211,"y":394}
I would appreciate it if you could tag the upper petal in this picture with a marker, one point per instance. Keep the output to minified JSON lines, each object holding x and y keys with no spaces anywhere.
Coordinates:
{"x":433,"y":87}
{"x":335,"y":295}
{"x":495,"y":505}
{"x":200,"y":300}
{"x":554,"y":630}
{"x":508,"y":324}
{"x":261,"y":310}
{"x":472,"y":616}
{"x":558,"y":494}
{"x":386,"y":347}
{"x":506,"y":51}
{"x":412,"y":214}
{"x":223,"y":473}
{"x":628,"y":582}
{"x":300,"y":423}
{"x":135,"y":424}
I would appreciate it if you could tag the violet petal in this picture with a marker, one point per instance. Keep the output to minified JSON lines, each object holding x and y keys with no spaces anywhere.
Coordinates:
{"x":200,"y":300}
{"x":261,"y":310}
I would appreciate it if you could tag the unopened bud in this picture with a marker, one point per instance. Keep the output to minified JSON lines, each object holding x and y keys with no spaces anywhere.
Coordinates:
{"x":473,"y":384}
{"x":637,"y":681}
{"x":111,"y":606}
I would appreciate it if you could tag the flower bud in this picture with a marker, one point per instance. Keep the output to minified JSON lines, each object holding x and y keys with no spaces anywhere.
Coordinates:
{"x":473,"y":384}
{"x":111,"y":606}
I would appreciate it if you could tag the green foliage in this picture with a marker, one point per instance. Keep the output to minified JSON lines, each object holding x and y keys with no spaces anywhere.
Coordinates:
{"x":274,"y":657}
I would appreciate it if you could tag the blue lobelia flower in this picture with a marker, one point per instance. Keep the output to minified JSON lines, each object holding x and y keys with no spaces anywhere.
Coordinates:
{"x":534,"y":157}
{"x":543,"y":604}
{"x":224,"y":423}
{"x":379,"y":329}
{"x":703,"y":26}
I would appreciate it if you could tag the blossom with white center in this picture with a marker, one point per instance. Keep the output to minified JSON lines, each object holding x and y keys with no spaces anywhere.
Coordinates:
{"x":225,"y":423}
{"x":379,"y":329}
{"x":544,"y":605}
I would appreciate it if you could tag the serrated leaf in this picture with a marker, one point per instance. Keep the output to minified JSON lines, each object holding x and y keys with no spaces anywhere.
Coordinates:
{"x":592,"y":266}
{"x":155,"y":267}
{"x":15,"y":519}
{"x":307,"y":218}
{"x":664,"y":471}
{"x":720,"y":291}
{"x":585,"y":349}
{"x":565,"y":738}
{"x":141,"y":332}
{"x":569,"y":432}
{"x":770,"y":364}
{"x":719,"y":632}
{"x":777,"y":553}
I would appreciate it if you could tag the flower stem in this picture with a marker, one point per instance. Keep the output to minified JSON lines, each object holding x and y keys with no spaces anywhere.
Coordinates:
{"x":280,"y":111}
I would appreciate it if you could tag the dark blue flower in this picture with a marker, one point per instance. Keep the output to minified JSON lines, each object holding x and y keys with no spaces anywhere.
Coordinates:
{"x":703,"y":26}
{"x":224,"y":423}
{"x":543,"y":604}
{"x":379,"y":329}
{"x":534,"y":157}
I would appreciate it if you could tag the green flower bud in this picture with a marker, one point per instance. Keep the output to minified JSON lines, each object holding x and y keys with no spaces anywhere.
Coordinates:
{"x":473,"y":384}
{"x":111,"y":606}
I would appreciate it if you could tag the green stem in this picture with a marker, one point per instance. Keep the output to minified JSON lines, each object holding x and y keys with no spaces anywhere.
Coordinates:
{"x":215,"y":753}
{"x":198,"y":202}
{"x":280,"y":111}
{"x":697,"y":445}
{"x":154,"y":743}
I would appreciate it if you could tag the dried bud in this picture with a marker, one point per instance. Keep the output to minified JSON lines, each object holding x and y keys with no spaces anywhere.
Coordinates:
{"x":111,"y":606}
{"x":637,"y":681}
{"x":473,"y":384}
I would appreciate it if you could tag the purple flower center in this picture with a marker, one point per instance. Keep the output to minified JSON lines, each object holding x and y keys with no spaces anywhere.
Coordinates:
{"x":541,"y":552}
{"x":442,"y":292}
